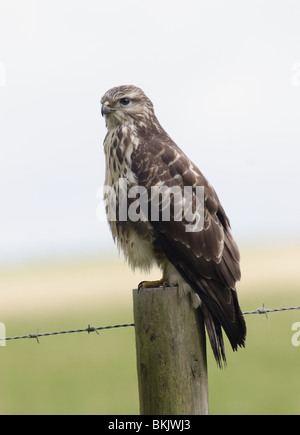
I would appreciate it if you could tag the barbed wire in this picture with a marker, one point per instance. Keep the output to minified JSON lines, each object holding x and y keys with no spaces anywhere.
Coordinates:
{"x":265,"y":311}
{"x":91,"y":329}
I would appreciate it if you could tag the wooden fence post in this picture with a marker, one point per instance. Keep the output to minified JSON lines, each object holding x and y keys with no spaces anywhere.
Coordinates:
{"x":171,"y":353}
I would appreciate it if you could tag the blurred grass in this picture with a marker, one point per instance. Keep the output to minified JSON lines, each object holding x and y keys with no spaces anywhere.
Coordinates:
{"x":263,"y":378}
{"x":70,"y":374}
{"x":91,"y":374}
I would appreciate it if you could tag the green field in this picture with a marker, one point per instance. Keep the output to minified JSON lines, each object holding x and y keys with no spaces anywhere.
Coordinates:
{"x":96,"y":374}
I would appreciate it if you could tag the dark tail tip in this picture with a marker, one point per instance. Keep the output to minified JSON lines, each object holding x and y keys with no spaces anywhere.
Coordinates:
{"x":236,"y":334}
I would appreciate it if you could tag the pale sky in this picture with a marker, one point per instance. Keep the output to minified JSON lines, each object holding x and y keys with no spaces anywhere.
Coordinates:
{"x":224,"y":78}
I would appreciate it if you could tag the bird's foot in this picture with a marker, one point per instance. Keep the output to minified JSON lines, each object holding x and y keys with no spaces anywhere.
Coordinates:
{"x":153,"y":284}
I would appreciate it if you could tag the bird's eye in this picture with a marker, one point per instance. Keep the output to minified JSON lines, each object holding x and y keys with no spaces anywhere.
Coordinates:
{"x":125,"y":101}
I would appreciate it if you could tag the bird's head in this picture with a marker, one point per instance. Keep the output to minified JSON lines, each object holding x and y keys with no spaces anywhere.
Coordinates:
{"x":125,"y":104}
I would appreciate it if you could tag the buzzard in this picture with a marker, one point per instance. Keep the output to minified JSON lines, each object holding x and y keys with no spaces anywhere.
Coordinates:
{"x":203,"y":262}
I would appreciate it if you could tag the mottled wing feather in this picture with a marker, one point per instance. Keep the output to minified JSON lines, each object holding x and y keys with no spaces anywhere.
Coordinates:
{"x":213,"y":248}
{"x":208,"y":260}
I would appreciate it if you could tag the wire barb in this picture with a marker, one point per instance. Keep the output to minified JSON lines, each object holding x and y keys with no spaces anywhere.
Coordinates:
{"x":92,"y":329}
{"x":36,"y":336}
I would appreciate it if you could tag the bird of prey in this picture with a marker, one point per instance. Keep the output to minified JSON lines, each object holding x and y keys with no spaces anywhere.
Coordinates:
{"x":203,"y":262}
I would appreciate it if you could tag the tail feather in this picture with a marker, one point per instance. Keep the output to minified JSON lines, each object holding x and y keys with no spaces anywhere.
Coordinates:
{"x":221,"y":310}
{"x":218,"y":315}
{"x":215,"y":336}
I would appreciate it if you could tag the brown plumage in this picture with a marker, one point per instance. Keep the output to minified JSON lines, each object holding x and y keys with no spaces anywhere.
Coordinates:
{"x":205,"y":262}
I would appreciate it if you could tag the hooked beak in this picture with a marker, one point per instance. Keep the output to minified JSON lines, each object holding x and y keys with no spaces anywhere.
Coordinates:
{"x":105,"y":109}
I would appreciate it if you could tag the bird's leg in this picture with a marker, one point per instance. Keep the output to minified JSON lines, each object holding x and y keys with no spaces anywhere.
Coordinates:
{"x":153,"y":284}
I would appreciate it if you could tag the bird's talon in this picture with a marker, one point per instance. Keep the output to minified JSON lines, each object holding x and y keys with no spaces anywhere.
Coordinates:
{"x":152,"y":284}
{"x":140,"y":286}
